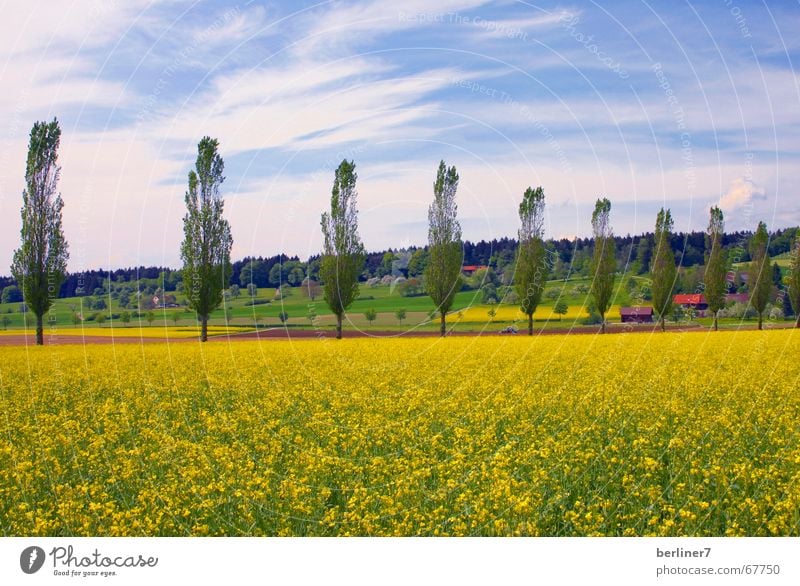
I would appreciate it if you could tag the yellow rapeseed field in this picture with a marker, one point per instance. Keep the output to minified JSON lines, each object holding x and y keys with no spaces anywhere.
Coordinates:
{"x":479,"y":313}
{"x":625,"y":434}
{"x":135,"y":331}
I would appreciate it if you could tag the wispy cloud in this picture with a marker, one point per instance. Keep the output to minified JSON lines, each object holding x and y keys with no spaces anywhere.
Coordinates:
{"x":288,"y":89}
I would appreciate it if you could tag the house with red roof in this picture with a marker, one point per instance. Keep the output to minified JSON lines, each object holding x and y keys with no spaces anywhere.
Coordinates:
{"x":694,"y":301}
{"x":469,"y":269}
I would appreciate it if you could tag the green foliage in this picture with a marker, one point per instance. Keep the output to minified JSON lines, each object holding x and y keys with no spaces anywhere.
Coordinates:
{"x":11,"y":294}
{"x":39,"y":265}
{"x":400,"y":314}
{"x":489,"y":293}
{"x":417,"y":262}
{"x":793,"y":280}
{"x":276,"y":275}
{"x":100,"y":319}
{"x":125,"y":317}
{"x":371,"y":315}
{"x":760,"y":279}
{"x":206,"y":247}
{"x":664,"y":271}
{"x":445,"y":252}
{"x":343,"y":254}
{"x":715,"y":286}
{"x":410,"y":287}
{"x":150,"y":317}
{"x":644,"y":254}
{"x":604,"y":265}
{"x":777,"y":274}
{"x":283,"y":316}
{"x":561,"y":308}
{"x":531,"y":270}
{"x":6,"y":321}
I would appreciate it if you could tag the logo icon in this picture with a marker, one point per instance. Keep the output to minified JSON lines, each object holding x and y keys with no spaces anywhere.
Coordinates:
{"x":31,"y":559}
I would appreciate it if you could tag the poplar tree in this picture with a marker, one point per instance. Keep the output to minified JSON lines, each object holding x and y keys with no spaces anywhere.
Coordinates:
{"x":343,"y":255}
{"x":445,"y":249}
{"x":531,"y":271}
{"x":794,"y":280}
{"x":39,"y":265}
{"x":604,"y":264}
{"x":715,"y":267}
{"x":663,"y":267}
{"x":759,"y":283}
{"x":206,"y":247}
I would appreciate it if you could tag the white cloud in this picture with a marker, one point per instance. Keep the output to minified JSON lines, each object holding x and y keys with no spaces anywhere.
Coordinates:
{"x":37,"y":26}
{"x":742,"y":193}
{"x":320,"y":79}
{"x":313,"y":106}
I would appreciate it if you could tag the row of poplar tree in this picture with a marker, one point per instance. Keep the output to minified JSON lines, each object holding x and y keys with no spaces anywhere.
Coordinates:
{"x":39,"y":265}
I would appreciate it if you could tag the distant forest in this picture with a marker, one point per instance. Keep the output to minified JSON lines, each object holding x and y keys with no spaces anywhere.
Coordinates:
{"x":568,"y":258}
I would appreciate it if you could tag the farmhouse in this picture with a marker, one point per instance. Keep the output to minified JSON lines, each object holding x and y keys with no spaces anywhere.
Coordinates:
{"x":636,"y":315}
{"x":469,"y":269}
{"x":696,"y":301}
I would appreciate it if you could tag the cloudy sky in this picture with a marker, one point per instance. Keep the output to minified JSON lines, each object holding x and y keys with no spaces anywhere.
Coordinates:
{"x":649,"y":104}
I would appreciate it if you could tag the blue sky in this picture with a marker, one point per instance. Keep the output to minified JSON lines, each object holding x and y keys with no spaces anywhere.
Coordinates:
{"x":648,"y":104}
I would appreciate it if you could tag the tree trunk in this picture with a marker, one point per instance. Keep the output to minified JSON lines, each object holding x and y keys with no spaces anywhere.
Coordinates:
{"x":716,"y":325}
{"x":39,"y":330}
{"x":443,"y":324}
{"x":760,"y":321}
{"x":602,"y":323}
{"x":339,"y":327}
{"x":663,"y":324}
{"x":797,"y":323}
{"x":530,"y":324}
{"x":204,"y":328}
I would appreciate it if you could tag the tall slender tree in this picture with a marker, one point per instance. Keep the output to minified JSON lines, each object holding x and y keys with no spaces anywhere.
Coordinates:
{"x":39,"y":265}
{"x":532,"y":270}
{"x":794,"y":280}
{"x":663,"y":267}
{"x":343,"y":255}
{"x":207,"y":240}
{"x":604,"y":264}
{"x":715,"y":267}
{"x":759,"y":282}
{"x":445,"y":249}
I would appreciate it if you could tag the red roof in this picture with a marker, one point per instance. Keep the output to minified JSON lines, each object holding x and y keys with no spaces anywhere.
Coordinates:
{"x":473,"y":268}
{"x":636,"y":311}
{"x":689,"y":299}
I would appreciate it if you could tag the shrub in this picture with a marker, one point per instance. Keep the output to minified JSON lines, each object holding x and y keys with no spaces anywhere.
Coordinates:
{"x":252,"y":302}
{"x":592,"y":319}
